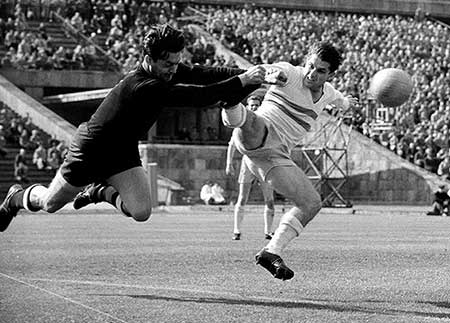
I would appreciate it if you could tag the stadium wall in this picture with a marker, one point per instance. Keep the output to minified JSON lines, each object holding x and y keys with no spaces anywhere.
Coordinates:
{"x":375,"y":174}
{"x":435,"y":8}
{"x":41,"y":116}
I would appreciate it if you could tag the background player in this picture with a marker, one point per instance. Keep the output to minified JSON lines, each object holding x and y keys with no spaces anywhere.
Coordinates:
{"x":267,"y":136}
{"x":245,"y":180}
{"x":105,"y":149}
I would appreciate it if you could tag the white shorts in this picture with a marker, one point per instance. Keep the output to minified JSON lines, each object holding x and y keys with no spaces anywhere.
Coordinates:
{"x":274,"y":152}
{"x":245,"y":175}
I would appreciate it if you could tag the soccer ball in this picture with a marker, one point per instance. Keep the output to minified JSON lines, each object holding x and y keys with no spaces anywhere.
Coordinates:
{"x":391,"y":87}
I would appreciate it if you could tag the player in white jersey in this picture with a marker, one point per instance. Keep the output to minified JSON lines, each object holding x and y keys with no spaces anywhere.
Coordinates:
{"x":245,"y":180}
{"x":267,"y":136}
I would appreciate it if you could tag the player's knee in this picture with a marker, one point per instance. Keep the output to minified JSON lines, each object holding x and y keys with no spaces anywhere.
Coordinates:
{"x":51,"y":206}
{"x":234,"y":117}
{"x":141,"y":215}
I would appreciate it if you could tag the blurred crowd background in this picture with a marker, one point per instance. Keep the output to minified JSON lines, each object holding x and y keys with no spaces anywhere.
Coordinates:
{"x":110,"y":32}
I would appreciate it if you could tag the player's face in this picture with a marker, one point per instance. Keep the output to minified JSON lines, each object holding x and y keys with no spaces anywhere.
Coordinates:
{"x":166,"y":68}
{"x":253,"y":105}
{"x":317,"y":72}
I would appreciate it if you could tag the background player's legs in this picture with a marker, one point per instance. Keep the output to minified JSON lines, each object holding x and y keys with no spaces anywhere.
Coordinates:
{"x":269,"y":207}
{"x":133,"y":189}
{"x":293,"y":183}
{"x":244,"y":191}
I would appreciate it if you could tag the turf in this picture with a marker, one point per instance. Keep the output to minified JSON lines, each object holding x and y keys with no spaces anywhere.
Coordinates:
{"x":182,"y":266}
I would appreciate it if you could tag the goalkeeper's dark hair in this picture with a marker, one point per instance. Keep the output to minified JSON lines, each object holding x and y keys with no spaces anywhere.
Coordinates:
{"x":327,"y":53}
{"x":162,"y":40}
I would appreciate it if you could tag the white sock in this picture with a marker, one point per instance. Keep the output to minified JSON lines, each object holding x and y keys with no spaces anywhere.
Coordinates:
{"x":283,"y":235}
{"x":238,"y":218}
{"x":268,"y":219}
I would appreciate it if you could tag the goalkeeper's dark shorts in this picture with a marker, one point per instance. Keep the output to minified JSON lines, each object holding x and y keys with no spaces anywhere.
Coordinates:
{"x":90,"y":160}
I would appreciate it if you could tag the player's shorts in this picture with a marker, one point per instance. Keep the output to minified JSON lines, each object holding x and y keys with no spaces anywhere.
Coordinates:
{"x":274,"y":152}
{"x":245,"y":175}
{"x":91,"y":160}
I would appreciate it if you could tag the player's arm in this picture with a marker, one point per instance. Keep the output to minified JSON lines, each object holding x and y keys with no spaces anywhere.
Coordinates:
{"x":203,"y":75}
{"x":229,"y":169}
{"x":230,"y":91}
{"x":342,"y":102}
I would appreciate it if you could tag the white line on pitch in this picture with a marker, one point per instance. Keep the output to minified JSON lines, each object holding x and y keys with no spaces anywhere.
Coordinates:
{"x":63,"y":297}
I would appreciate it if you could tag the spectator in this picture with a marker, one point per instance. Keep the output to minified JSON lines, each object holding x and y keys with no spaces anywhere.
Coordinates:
{"x":40,"y":157}
{"x":24,"y":140}
{"x":77,"y":21}
{"x":20,"y":167}
{"x":212,"y":194}
{"x":53,"y":161}
{"x":419,"y":157}
{"x":444,"y":168}
{"x":62,"y":149}
{"x":430,"y":162}
{"x":53,"y":147}
{"x":3,"y":151}
{"x":440,"y":203}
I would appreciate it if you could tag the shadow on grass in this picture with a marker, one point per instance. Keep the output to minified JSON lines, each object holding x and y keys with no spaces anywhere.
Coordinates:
{"x":311,"y":305}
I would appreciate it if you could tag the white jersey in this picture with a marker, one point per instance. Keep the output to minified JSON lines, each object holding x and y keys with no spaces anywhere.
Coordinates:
{"x":290,"y":108}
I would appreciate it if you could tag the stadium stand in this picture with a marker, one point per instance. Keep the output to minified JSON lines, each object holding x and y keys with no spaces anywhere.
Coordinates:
{"x":12,"y":129}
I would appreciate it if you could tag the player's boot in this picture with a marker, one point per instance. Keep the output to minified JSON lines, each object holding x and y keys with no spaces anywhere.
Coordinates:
{"x":236,"y":236}
{"x":87,"y":196}
{"x":8,"y":212}
{"x":268,"y":236}
{"x":274,"y":264}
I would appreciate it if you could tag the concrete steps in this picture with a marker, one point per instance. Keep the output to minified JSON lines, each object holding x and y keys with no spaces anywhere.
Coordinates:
{"x":7,"y":171}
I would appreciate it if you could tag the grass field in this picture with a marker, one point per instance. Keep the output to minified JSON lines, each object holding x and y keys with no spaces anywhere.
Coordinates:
{"x":182,"y":266}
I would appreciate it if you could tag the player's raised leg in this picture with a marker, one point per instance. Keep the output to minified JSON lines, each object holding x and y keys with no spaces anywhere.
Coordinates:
{"x":251,"y":130}
{"x":37,"y":197}
{"x":127,"y":191}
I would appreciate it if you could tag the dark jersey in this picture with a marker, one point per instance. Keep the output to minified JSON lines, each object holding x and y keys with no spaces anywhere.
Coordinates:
{"x":136,"y":102}
{"x":108,"y":143}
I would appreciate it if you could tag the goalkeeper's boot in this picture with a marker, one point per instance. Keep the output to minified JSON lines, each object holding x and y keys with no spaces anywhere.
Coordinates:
{"x":274,"y":264}
{"x":7,"y":211}
{"x":88,"y":196}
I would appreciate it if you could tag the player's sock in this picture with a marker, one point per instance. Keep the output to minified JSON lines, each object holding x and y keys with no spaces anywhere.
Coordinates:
{"x":281,"y":238}
{"x":107,"y":193}
{"x":289,"y":228}
{"x":234,"y":117}
{"x":238,"y":218}
{"x":268,"y":219}
{"x":27,"y":203}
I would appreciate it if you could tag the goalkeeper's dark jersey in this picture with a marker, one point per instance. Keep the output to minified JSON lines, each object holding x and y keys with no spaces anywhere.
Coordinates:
{"x":108,"y":143}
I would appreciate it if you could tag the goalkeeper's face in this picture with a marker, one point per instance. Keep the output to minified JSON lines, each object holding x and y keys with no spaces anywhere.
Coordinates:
{"x":165,"y":67}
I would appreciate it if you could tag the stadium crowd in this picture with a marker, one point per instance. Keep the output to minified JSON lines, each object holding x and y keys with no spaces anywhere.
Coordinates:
{"x":420,"y":128}
{"x":420,"y":131}
{"x":19,"y":133}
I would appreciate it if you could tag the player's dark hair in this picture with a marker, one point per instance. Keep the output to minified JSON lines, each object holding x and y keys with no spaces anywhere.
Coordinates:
{"x":162,"y":40}
{"x":327,"y":53}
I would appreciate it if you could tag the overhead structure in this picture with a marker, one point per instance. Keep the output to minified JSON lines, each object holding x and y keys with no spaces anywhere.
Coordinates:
{"x":325,"y":157}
